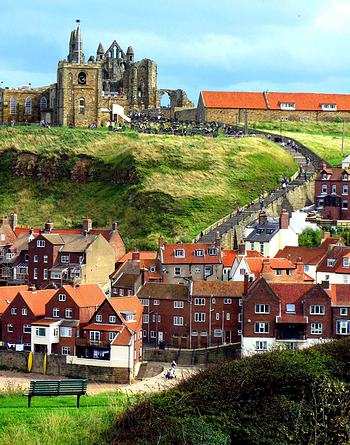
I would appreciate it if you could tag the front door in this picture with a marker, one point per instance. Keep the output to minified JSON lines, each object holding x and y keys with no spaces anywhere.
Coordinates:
{"x":160,"y":336}
{"x":227,"y":336}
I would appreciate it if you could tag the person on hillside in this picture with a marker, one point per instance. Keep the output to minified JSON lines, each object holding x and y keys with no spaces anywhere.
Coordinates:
{"x":173,"y":364}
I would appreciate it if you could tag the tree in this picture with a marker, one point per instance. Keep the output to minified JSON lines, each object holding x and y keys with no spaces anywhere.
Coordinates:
{"x":310,"y":237}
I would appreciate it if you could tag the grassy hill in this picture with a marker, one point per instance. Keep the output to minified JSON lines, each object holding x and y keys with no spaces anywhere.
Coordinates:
{"x":324,"y":138}
{"x":150,"y":184}
{"x":283,"y":397}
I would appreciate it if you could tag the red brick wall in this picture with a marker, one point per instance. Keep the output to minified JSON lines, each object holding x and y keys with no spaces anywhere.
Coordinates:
{"x":50,"y":250}
{"x":319,"y":297}
{"x":62,"y":306}
{"x":18,"y":321}
{"x":334,"y":212}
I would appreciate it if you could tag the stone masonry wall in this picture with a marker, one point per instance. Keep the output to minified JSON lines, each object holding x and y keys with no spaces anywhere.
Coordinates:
{"x":57,"y":366}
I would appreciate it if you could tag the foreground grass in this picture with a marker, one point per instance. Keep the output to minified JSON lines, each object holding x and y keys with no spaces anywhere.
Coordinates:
{"x":283,"y":397}
{"x":324,"y":138}
{"x":184,"y":183}
{"x":55,"y":420}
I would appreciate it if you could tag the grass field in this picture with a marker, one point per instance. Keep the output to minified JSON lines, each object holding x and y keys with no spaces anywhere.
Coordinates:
{"x":56,"y":420}
{"x":324,"y":138}
{"x":184,"y":183}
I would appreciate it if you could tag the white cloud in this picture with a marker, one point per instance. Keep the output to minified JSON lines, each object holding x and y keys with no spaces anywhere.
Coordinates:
{"x":334,"y":18}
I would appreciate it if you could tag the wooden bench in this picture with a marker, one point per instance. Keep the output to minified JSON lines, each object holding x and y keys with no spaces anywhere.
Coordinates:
{"x":76,"y":387}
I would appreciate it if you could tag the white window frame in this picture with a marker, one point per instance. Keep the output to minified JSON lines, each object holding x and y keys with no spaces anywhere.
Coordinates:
{"x":56,"y":312}
{"x":13,"y":311}
{"x":65,"y":259}
{"x":10,"y":327}
{"x":36,"y":258}
{"x":145,"y":318}
{"x":112,"y":319}
{"x":98,"y":318}
{"x":45,"y":274}
{"x":261,"y":345}
{"x":27,"y":329}
{"x":66,"y":331}
{"x":179,"y":253}
{"x":317,"y":309}
{"x":261,"y":308}
{"x":111,"y":336}
{"x":177,"y":271}
{"x":24,"y":311}
{"x":156,"y":302}
{"x":199,"y":301}
{"x":40,"y":243}
{"x":178,"y":320}
{"x":261,"y":327}
{"x":343,"y":311}
{"x":65,"y":350}
{"x":199,"y":317}
{"x":68,"y":312}
{"x":290,"y":308}
{"x":227,"y":300}
{"x":316,"y":328}
{"x":178,"y":304}
{"x":62,"y":297}
{"x":144,"y":301}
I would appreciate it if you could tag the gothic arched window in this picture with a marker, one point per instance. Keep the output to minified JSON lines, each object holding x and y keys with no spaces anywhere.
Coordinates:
{"x":13,"y":105}
{"x":28,"y":106}
{"x":43,"y":103}
{"x":82,"y":105}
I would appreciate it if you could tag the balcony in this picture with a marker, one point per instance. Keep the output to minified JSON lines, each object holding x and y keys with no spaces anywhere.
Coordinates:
{"x":97,"y":343}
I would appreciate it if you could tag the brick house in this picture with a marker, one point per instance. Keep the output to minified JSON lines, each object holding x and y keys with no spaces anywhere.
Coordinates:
{"x":182,"y":261}
{"x":332,"y":191}
{"x":114,"y":333}
{"x":69,"y":309}
{"x":205,"y":313}
{"x":335,"y":266}
{"x":27,"y":307}
{"x":229,"y":258}
{"x":292,"y":315}
{"x":268,"y":235}
{"x":340,"y":295}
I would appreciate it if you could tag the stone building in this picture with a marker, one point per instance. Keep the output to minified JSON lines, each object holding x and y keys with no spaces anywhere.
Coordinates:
{"x":87,"y":91}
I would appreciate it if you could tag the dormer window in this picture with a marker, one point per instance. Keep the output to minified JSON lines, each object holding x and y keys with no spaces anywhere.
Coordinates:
{"x":179,"y":253}
{"x":287,"y":105}
{"x":346,"y":262}
{"x":324,"y":176}
{"x":345,"y":177}
{"x":290,"y":308}
{"x":329,"y":107}
{"x":199,"y":253}
{"x":211,"y":252}
{"x":330,"y":262}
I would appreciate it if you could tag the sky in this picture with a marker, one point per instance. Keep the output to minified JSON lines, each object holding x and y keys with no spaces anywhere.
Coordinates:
{"x":222,"y":45}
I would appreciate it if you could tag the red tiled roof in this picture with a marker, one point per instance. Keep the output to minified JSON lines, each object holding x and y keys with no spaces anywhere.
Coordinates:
{"x":123,"y":338}
{"x":103,"y":327}
{"x":37,"y":300}
{"x":228,"y":256}
{"x":85,"y":295}
{"x":218,"y":99}
{"x":143,"y":256}
{"x":132,"y":304}
{"x":218,"y":288}
{"x":190,"y":258}
{"x":256,"y":264}
{"x":336,"y":253}
{"x":309,"y":255}
{"x":45,"y":321}
{"x":291,"y":293}
{"x":7,"y":294}
{"x":340,"y":294}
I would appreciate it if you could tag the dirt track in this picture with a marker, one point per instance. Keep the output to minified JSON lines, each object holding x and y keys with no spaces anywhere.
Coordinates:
{"x":18,"y":381}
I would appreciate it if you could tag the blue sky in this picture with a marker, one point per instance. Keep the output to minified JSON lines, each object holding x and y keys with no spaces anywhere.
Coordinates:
{"x":228,"y":45}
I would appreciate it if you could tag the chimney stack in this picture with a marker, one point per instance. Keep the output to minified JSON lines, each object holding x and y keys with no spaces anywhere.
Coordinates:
{"x":262,"y":217}
{"x":160,"y":242}
{"x":13,"y":220}
{"x":48,"y":226}
{"x":300,"y":267}
{"x":115,"y":227}
{"x":241,"y":248}
{"x":217,"y":239}
{"x":266,"y":266}
{"x":284,"y":219}
{"x":246,"y":284}
{"x":135,"y":255}
{"x":323,"y":165}
{"x":87,"y":224}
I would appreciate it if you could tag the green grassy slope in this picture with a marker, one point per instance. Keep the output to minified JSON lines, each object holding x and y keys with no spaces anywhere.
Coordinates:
{"x":184,"y":183}
{"x":324,"y":138}
{"x":279,"y":398}
{"x":56,"y":420}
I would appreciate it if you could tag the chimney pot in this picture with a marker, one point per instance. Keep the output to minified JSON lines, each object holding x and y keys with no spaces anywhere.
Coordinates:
{"x":87,"y":224}
{"x":262,"y":217}
{"x":284,"y":219}
{"x":241,"y":248}
{"x":115,"y":227}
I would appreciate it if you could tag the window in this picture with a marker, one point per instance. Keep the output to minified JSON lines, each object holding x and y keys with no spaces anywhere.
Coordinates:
{"x":40,"y":332}
{"x":278,"y":272}
{"x":199,"y":252}
{"x":262,"y":248}
{"x":10,"y":327}
{"x":344,"y":204}
{"x":144,"y":333}
{"x":62,"y":297}
{"x":36,"y":258}
{"x":334,"y":188}
{"x":199,"y":317}
{"x":178,"y":321}
{"x":239,"y":317}
{"x":287,"y":106}
{"x":153,"y":334}
{"x":130,"y":292}
{"x":13,"y":105}
{"x":95,"y":335}
{"x":242,"y":271}
{"x":112,"y":318}
{"x":152,"y":269}
{"x":217,"y":316}
{"x":156,"y":302}
{"x":316,"y":328}
{"x":145,"y":318}
{"x":13,"y":311}
{"x":199,"y":301}
{"x":329,"y":107}
{"x":81,"y":105}
{"x":144,"y":301}
{"x":203,"y":333}
{"x":56,"y":275}
{"x":40,"y":243}
{"x":306,"y":268}
{"x":45,"y":274}
{"x":317,"y":309}
{"x":98,"y":318}
{"x":197,"y":270}
{"x":55,"y":312}
{"x":111,"y":336}
{"x":177,"y":271}
{"x":330,"y":262}
{"x":217,"y":333}
{"x":324,"y":188}
{"x":262,"y":308}
{"x":179,"y":253}
{"x":28,"y":106}
{"x":228,"y":316}
{"x":178,"y":304}
{"x":24,"y":311}
{"x":251,"y":246}
{"x":290,"y":308}
{"x":64,"y":258}
{"x":211,"y":252}
{"x":345,"y":177}
{"x":227,"y":300}
{"x":43,"y":103}
{"x":27,"y":329}
{"x":345,"y":262}
{"x":66,"y":332}
{"x":261,"y":345}
{"x":343,"y":311}
{"x":345,"y":190}
{"x":65,"y":350}
{"x":343,"y":327}
{"x":45,"y":259}
{"x":240,"y":302}
{"x":69,"y":312}
{"x":261,"y":328}
{"x":213,"y":300}
{"x":207,"y":271}
{"x":82,"y":78}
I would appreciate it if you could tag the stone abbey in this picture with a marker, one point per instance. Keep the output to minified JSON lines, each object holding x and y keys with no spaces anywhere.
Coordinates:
{"x":88,"y":91}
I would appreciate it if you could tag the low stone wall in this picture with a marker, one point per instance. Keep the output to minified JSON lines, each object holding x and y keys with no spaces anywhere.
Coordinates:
{"x":57,"y":366}
{"x":187,"y":357}
{"x":189,"y":114}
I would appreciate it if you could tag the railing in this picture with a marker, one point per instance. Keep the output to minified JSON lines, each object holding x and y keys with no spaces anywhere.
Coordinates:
{"x":88,"y":342}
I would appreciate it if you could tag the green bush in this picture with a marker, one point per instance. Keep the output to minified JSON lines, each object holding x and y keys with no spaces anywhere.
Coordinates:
{"x":310,"y":237}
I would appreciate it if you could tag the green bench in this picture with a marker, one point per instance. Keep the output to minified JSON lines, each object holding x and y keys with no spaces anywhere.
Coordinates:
{"x":76,"y":387}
